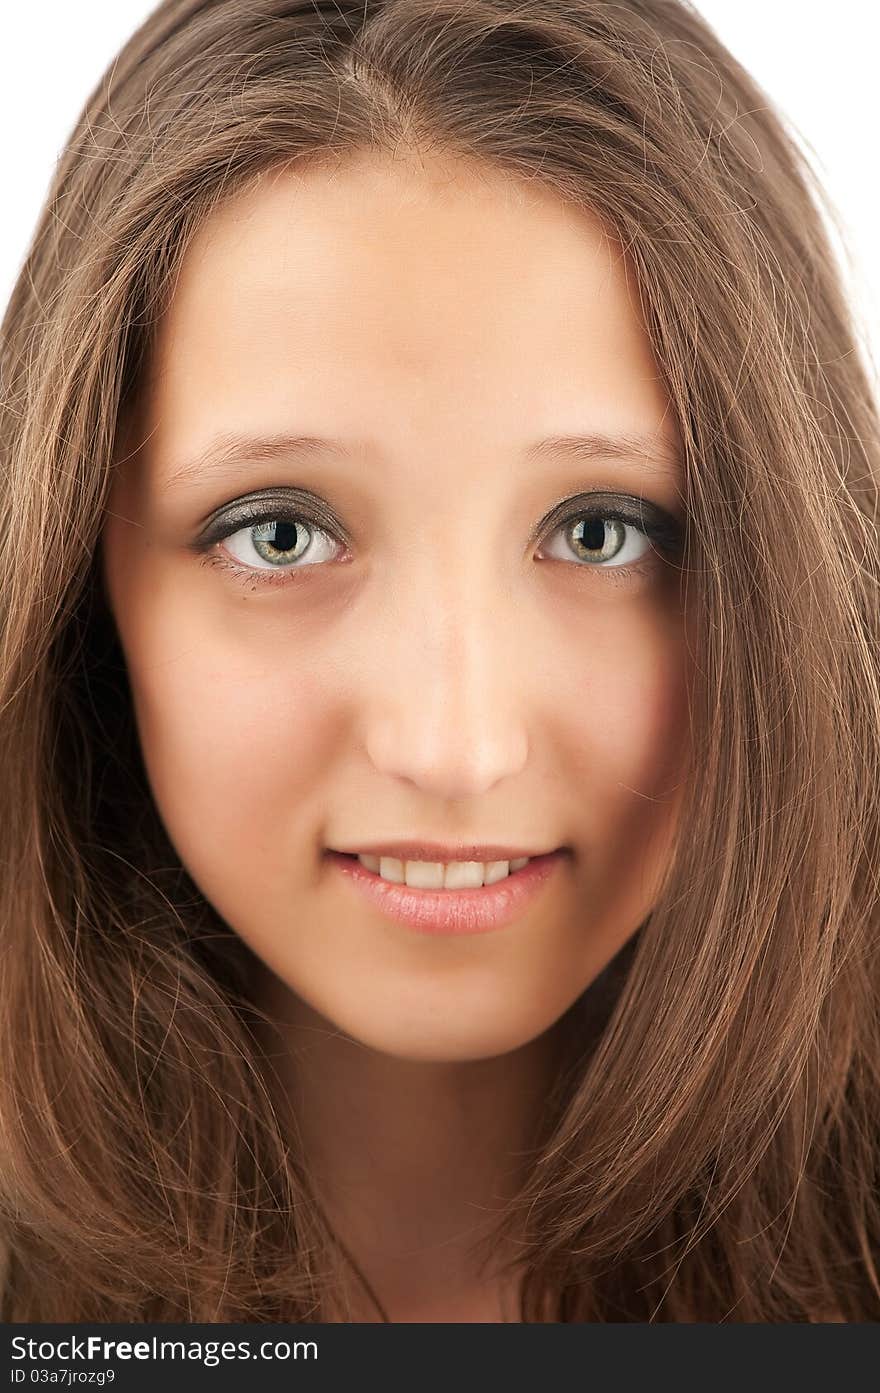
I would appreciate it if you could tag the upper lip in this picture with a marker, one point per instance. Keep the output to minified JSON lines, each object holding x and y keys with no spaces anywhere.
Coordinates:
{"x":442,"y":851}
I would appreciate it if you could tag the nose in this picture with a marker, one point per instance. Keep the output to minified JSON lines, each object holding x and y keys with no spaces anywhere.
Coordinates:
{"x":449,"y":715}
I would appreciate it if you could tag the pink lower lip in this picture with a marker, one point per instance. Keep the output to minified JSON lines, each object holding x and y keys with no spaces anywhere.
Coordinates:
{"x":452,"y":911}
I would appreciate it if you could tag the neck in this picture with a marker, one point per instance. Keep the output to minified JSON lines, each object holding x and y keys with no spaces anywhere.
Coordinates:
{"x":413,"y":1161}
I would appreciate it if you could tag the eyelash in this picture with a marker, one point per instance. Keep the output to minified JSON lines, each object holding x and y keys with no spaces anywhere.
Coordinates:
{"x":664,"y":534}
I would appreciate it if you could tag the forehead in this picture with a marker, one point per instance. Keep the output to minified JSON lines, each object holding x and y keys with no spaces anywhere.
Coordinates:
{"x":436,"y":305}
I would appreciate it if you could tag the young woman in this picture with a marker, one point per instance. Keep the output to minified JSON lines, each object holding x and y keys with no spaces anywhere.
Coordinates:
{"x":440,"y":706}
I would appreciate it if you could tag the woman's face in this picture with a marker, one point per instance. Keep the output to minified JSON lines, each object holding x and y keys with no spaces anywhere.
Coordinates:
{"x":427,"y":654}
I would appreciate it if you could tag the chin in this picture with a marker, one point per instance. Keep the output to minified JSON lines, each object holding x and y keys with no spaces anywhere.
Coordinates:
{"x":448,"y":1042}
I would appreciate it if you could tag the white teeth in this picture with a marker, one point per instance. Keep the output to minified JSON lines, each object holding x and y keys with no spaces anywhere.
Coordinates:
{"x":465,"y":875}
{"x":437,"y":875}
{"x":391,"y":869}
{"x":424,"y":875}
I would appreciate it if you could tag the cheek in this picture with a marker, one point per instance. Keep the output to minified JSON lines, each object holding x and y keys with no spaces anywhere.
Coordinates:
{"x":235,"y":739}
{"x":631,"y":764}
{"x":639,"y":768}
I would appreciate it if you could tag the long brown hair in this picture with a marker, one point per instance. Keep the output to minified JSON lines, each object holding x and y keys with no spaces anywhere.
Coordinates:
{"x":711,"y":1152}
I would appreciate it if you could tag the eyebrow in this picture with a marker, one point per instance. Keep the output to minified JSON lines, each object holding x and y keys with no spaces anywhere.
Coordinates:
{"x":228,"y":451}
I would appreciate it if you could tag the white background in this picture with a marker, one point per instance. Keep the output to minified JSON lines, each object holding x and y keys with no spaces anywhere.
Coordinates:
{"x":817,"y":62}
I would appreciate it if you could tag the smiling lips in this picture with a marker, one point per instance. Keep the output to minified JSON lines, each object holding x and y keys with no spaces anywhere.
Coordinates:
{"x":448,"y":908}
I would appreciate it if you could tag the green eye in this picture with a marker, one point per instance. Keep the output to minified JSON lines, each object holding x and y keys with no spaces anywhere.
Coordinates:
{"x":626,"y":536}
